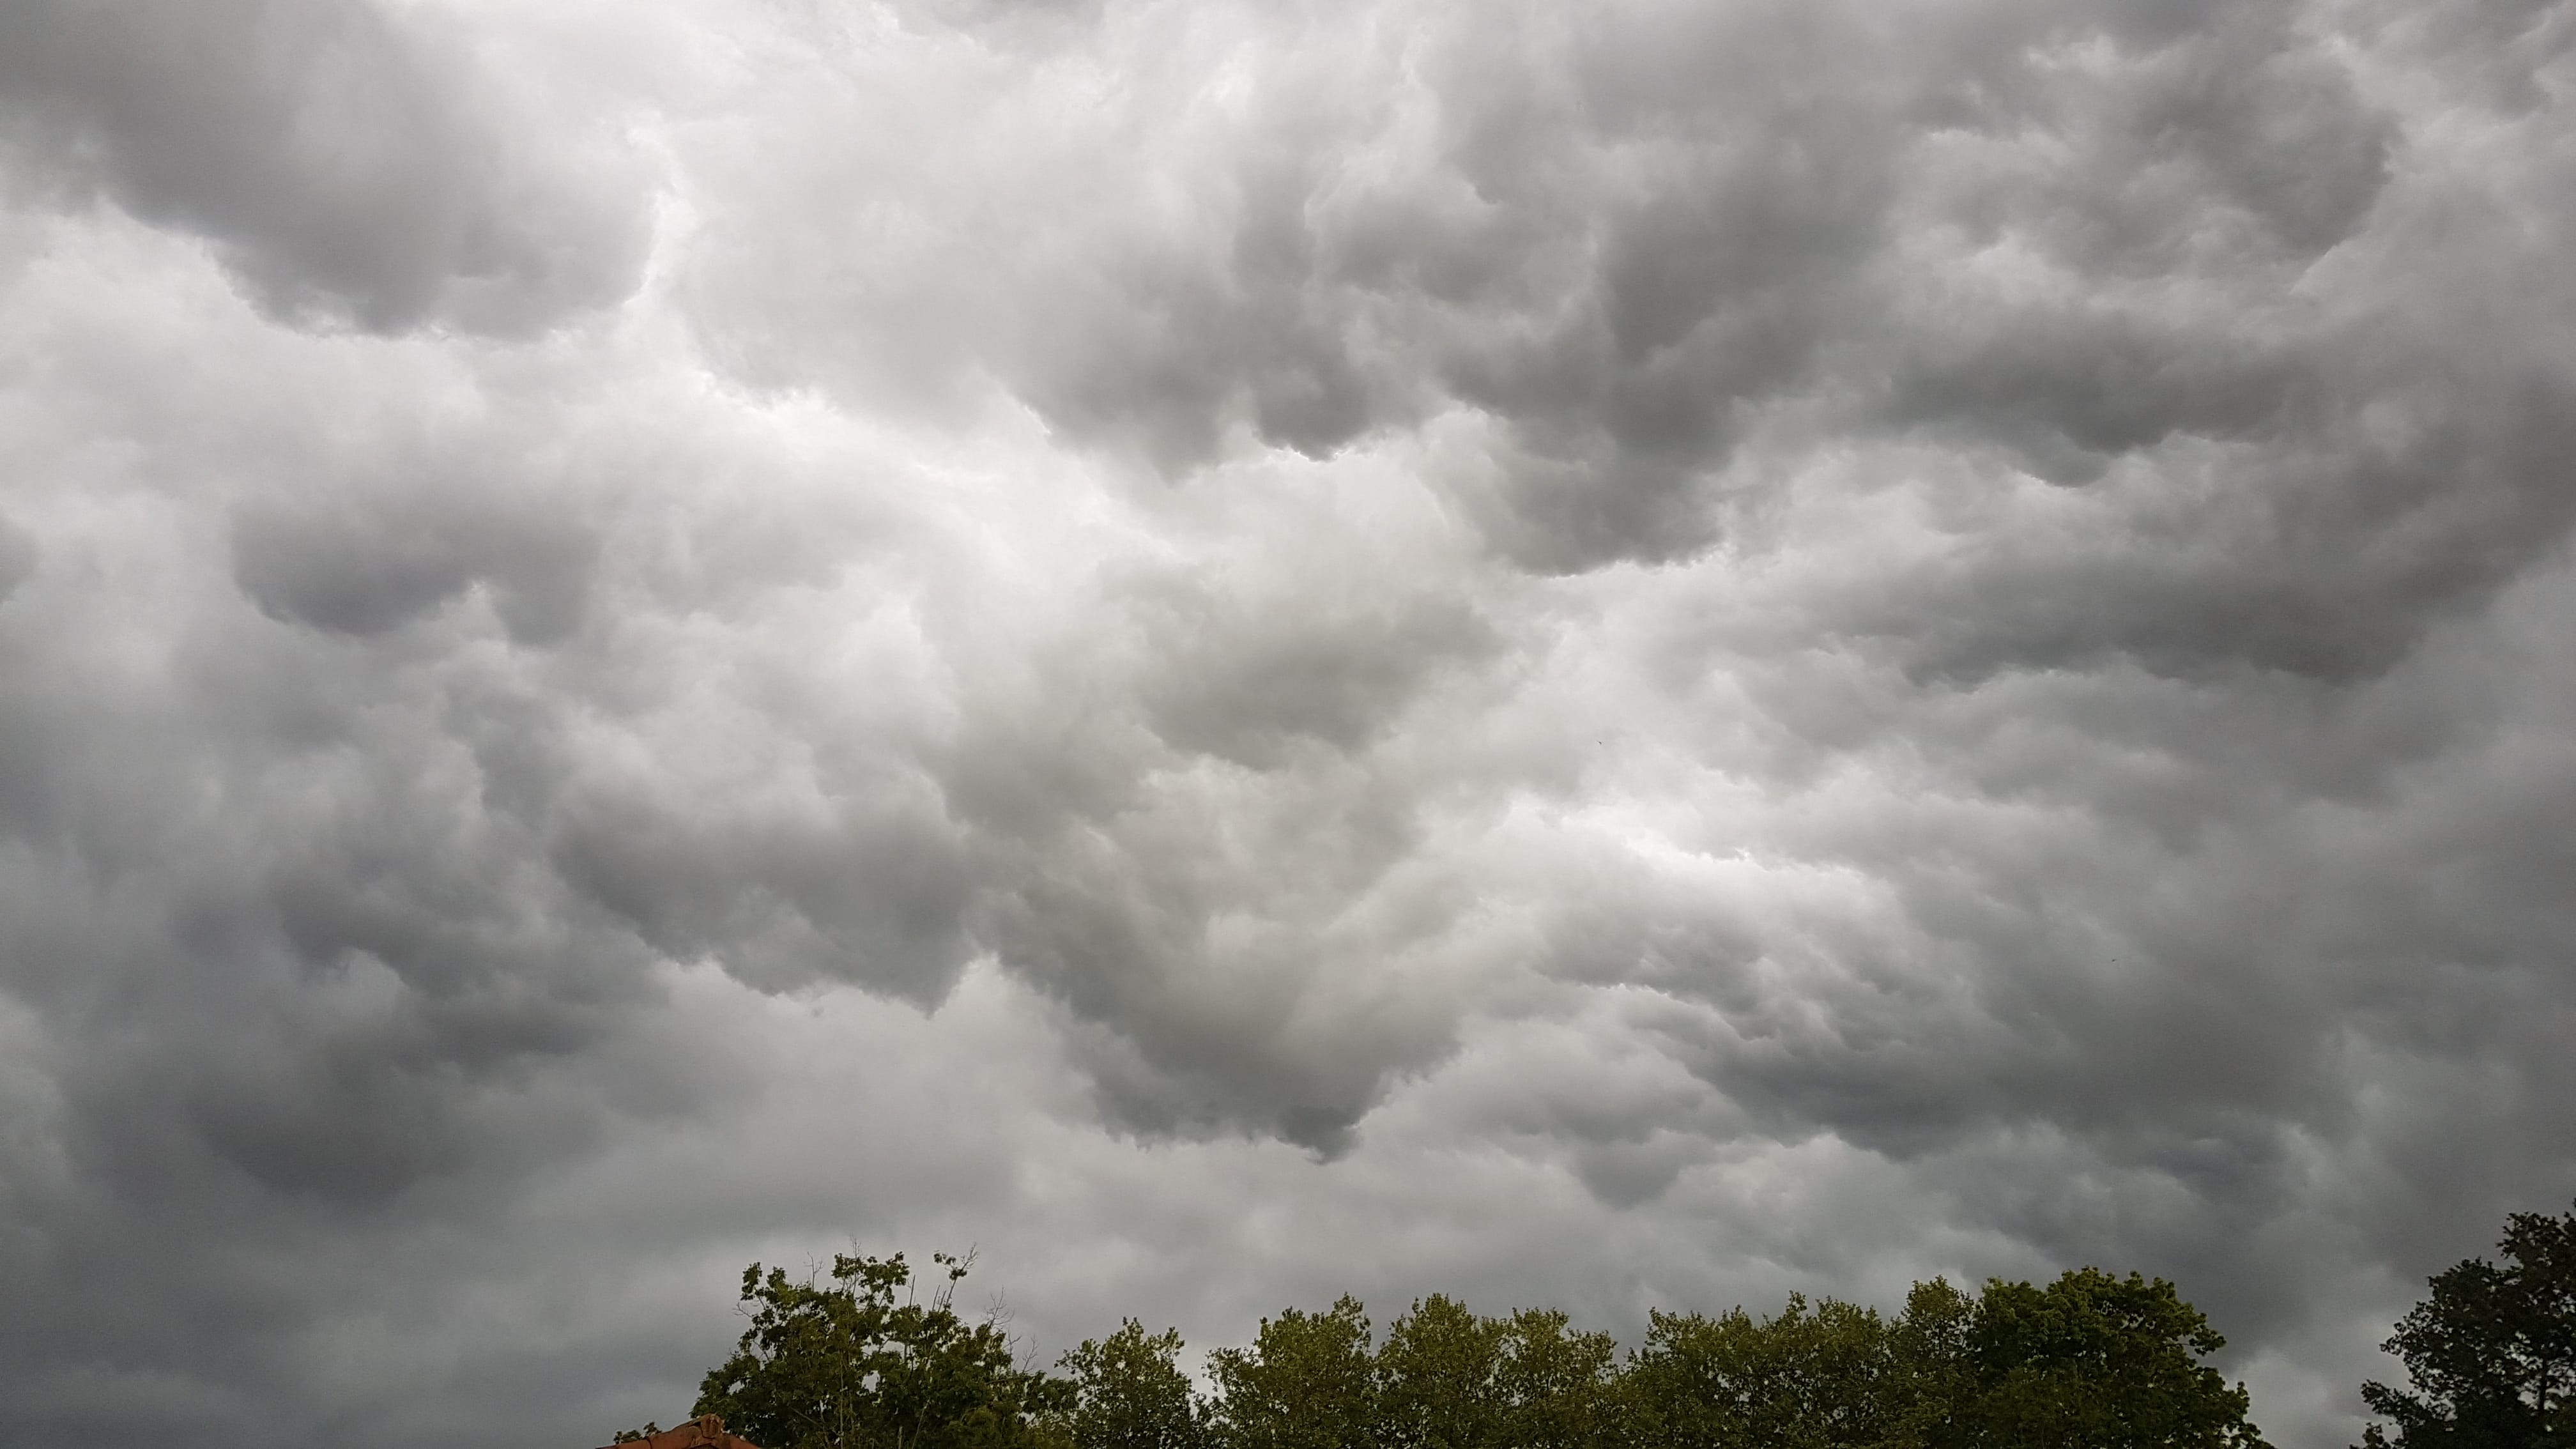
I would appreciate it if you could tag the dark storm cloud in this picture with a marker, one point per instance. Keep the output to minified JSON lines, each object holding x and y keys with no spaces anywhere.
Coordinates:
{"x":1642,"y":657}
{"x":348,"y":164}
{"x":361,"y":561}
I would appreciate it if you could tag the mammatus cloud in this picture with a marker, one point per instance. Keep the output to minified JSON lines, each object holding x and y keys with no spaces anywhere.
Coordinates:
{"x":1639,"y":658}
{"x":348,"y":163}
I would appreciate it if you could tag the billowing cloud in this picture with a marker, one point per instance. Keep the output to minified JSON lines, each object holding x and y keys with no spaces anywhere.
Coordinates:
{"x":348,"y":163}
{"x":1642,"y":657}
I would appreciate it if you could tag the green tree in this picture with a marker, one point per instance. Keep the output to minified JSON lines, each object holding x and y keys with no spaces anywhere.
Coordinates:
{"x":1308,"y":1382}
{"x":1931,"y":1375}
{"x":1450,"y":1379}
{"x":2093,"y":1362}
{"x":2491,"y":1354}
{"x":1129,"y":1392}
{"x":1558,"y":1386}
{"x":1439,"y":1379}
{"x":1820,"y":1377}
{"x":858,"y":1362}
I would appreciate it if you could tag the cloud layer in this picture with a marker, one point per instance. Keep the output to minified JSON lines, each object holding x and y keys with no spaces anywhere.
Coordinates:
{"x":1640,"y":657}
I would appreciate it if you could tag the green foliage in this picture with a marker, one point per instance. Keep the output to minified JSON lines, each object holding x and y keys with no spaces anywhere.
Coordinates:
{"x":859,"y":1362}
{"x":2492,"y":1352}
{"x":1129,"y":1392}
{"x":2094,"y":1361}
{"x":1449,"y":1379}
{"x":1439,"y":1379}
{"x":1307,"y":1382}
{"x":1816,"y":1377}
{"x":1559,"y":1388}
{"x":2089,"y":1362}
{"x":1930,"y":1347}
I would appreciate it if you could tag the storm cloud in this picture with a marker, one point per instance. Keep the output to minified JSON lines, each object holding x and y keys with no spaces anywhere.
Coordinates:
{"x":1626,"y":655}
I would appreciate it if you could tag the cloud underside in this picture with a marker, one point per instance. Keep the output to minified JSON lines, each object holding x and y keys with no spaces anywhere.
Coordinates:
{"x":1672,"y":650}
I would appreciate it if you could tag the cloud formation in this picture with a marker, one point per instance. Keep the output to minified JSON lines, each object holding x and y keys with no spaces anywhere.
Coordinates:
{"x":1646,"y":657}
{"x":348,"y":164}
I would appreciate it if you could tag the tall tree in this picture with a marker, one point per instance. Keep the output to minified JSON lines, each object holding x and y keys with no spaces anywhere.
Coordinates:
{"x":1824,"y":1376}
{"x":2491,"y":1354}
{"x":859,"y":1362}
{"x":1307,"y":1382}
{"x":1930,"y":1375}
{"x":1439,"y":1380}
{"x":1129,"y":1392}
{"x":2093,"y":1362}
{"x":1558,"y":1386}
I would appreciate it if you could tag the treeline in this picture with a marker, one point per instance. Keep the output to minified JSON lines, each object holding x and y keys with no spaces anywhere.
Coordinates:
{"x":859,"y":1359}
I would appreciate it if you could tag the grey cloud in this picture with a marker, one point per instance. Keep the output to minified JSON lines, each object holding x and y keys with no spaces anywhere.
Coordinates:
{"x":878,"y":895}
{"x":2317,"y":549}
{"x":1181,"y":346}
{"x":2494,"y":55}
{"x":18,"y":554}
{"x":1645,"y":659}
{"x":352,"y":563}
{"x":349,"y":165}
{"x":1197,"y":950}
{"x":1610,"y":266}
{"x":1247,"y":679}
{"x":1627,"y":241}
{"x":2233,"y":137}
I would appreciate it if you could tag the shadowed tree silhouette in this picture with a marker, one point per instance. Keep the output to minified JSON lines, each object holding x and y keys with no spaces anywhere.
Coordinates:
{"x":2491,"y":1354}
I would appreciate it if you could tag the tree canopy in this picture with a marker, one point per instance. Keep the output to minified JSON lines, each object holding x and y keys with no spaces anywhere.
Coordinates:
{"x":858,"y":1359}
{"x":1129,"y":1392}
{"x":2091,"y":1361}
{"x":2491,"y":1353}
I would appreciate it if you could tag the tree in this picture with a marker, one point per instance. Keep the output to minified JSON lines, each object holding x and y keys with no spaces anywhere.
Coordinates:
{"x":2491,"y":1354}
{"x":1129,"y":1392}
{"x":2093,"y":1362}
{"x":1930,"y":1372}
{"x":1820,"y":1377}
{"x":2089,"y":1362}
{"x":1451,"y":1379}
{"x":1558,"y":1387}
{"x":859,"y":1362}
{"x":1307,"y":1382}
{"x":1439,"y":1379}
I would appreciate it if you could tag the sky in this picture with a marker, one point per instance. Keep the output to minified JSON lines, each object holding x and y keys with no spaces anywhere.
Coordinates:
{"x":1626,"y":655}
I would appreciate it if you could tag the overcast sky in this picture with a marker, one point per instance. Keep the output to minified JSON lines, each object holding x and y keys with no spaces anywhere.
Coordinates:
{"x":1615,"y":655}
